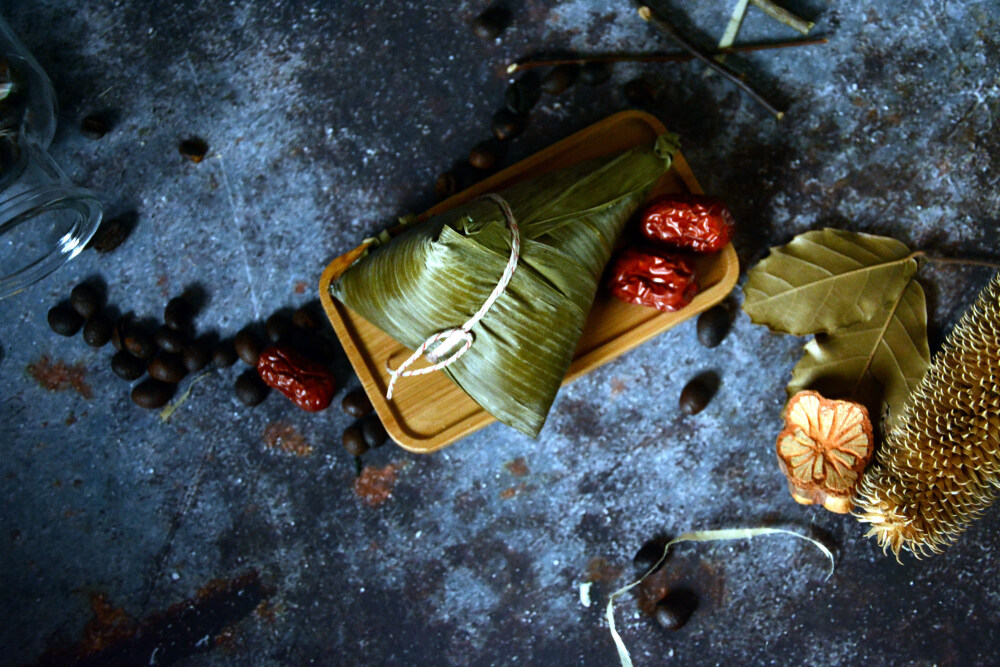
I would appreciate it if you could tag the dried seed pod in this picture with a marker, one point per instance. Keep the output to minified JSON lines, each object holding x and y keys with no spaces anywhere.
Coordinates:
{"x":940,"y":467}
{"x":824,"y":449}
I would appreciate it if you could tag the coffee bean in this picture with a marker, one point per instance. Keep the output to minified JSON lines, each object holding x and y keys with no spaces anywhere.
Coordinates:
{"x":169,"y":340}
{"x":445,"y":186}
{"x":196,"y":355}
{"x":193,"y":149}
{"x":247,"y":347}
{"x":152,"y":393}
{"x":127,"y":367}
{"x":695,"y":396}
{"x":138,"y":344}
{"x":490,"y":23}
{"x":85,"y":300}
{"x":594,"y":73}
{"x":375,"y":435}
{"x":354,"y":440}
{"x":250,"y":389}
{"x":97,"y":330}
{"x":277,"y":327}
{"x":483,"y":156}
{"x":356,"y":403}
{"x":64,"y":320}
{"x":560,"y":79}
{"x":507,"y":124}
{"x":167,"y":368}
{"x":178,"y":314}
{"x":94,"y":126}
{"x":640,"y":93}
{"x":305,"y":318}
{"x":713,"y":325}
{"x":669,"y":615}
{"x":224,"y":354}
{"x":522,"y":94}
{"x":119,"y":331}
{"x":110,"y":235}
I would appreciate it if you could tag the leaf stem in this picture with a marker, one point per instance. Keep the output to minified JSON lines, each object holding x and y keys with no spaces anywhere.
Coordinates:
{"x":782,"y":15}
{"x":660,"y":24}
{"x":920,"y":254}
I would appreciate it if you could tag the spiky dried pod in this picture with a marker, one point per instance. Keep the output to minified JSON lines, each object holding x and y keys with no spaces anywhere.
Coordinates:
{"x":940,"y":468}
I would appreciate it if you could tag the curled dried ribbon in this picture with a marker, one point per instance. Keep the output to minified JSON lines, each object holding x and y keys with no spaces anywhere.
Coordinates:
{"x":450,"y":338}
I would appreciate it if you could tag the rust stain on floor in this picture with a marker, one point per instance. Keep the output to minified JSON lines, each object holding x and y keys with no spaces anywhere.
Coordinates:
{"x":518,"y":467}
{"x":374,"y":485}
{"x":60,"y":376}
{"x":286,"y":437}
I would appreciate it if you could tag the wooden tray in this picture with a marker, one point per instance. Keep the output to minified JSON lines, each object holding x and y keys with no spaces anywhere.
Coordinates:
{"x":429,"y":412}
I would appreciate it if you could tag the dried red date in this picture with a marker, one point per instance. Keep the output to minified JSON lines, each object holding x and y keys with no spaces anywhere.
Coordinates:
{"x":307,"y":383}
{"x":651,"y":278}
{"x":693,"y":222}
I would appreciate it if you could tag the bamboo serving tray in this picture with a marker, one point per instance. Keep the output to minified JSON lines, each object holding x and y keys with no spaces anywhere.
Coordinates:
{"x":429,"y":412}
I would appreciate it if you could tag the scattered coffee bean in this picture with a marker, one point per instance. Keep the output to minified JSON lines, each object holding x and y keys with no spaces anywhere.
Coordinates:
{"x":119,"y":331}
{"x":85,"y":300}
{"x":560,"y":79}
{"x":490,"y":23}
{"x":64,"y":320}
{"x":250,"y":389}
{"x":695,"y":396}
{"x":483,"y":156}
{"x":670,"y":615}
{"x":277,"y":327}
{"x":167,"y":368}
{"x":304,"y":318}
{"x":507,"y":124}
{"x":375,"y":435}
{"x":127,"y":367}
{"x":109,"y":235}
{"x":138,"y":344}
{"x":247,"y":347}
{"x":196,"y":355}
{"x":178,"y":314}
{"x":713,"y":325}
{"x":97,"y":330}
{"x":94,"y":126}
{"x":522,"y":94}
{"x":445,"y":186}
{"x":354,"y":440}
{"x":193,"y":149}
{"x":640,"y":93}
{"x":152,"y":393}
{"x":595,"y":73}
{"x":356,"y":403}
{"x":169,"y":340}
{"x":224,"y":354}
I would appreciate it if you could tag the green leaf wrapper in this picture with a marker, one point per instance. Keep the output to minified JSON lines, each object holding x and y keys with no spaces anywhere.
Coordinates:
{"x":435,"y":275}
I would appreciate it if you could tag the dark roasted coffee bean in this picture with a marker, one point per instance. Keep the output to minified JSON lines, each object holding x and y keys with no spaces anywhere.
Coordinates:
{"x":375,"y":435}
{"x":138,"y":344}
{"x":670,"y":615}
{"x":167,"y":368}
{"x":304,"y":318}
{"x":193,"y":149}
{"x":695,"y":396}
{"x":490,"y":23}
{"x":247,"y":347}
{"x":169,"y":340}
{"x":507,"y":124}
{"x":64,"y":320}
{"x":85,"y":300}
{"x":640,"y":93}
{"x":109,"y":235}
{"x":522,"y":94}
{"x":177,"y":315}
{"x":196,"y":355}
{"x":483,"y":155}
{"x":594,"y":73}
{"x":97,"y":330}
{"x":277,"y":327}
{"x":560,"y":78}
{"x":94,"y":126}
{"x":224,"y":354}
{"x":250,"y":389}
{"x":354,"y":440}
{"x":127,"y":367}
{"x":713,"y":325}
{"x":356,"y":403}
{"x":152,"y":393}
{"x":445,"y":186}
{"x":119,"y":330}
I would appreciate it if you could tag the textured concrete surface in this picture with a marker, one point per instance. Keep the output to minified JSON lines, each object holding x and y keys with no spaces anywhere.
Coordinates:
{"x":327,"y":120}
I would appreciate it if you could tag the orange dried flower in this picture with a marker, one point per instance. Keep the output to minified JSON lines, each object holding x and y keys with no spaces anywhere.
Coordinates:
{"x":824,"y":449}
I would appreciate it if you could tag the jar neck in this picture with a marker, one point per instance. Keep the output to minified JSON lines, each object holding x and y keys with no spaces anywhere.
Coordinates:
{"x":45,"y":220}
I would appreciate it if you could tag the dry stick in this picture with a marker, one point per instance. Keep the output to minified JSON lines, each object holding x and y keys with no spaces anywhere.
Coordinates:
{"x":920,"y":254}
{"x":647,"y":14}
{"x":657,"y":58}
{"x":732,"y":30}
{"x":784,"y":16}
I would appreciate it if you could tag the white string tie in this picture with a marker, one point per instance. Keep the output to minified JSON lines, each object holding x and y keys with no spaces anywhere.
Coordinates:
{"x":450,"y":338}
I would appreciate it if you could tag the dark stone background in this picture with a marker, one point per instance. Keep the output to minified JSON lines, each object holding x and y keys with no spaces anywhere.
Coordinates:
{"x":326,"y":121}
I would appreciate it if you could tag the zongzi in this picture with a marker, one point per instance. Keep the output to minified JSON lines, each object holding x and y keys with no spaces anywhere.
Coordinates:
{"x":436,"y":275}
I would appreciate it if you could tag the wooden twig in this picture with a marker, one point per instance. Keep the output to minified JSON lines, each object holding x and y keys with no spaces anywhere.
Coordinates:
{"x":649,"y":15}
{"x":782,"y":15}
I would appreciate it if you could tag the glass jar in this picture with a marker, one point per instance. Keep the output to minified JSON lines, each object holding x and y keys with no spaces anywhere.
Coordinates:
{"x":45,"y":220}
